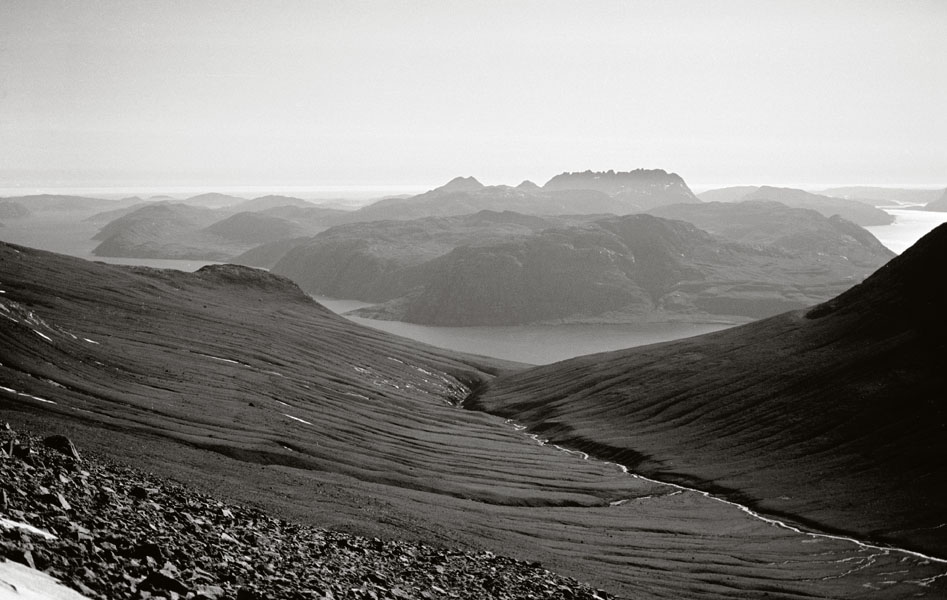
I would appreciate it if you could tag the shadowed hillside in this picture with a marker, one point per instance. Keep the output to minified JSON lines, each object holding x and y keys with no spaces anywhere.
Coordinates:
{"x":233,"y":381}
{"x":834,"y":415}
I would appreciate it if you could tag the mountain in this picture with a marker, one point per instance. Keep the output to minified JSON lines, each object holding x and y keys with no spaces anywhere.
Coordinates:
{"x":164,"y":230}
{"x":13,"y":210}
{"x":381,"y":260}
{"x":884,"y":196}
{"x":232,"y":382}
{"x":772,"y":224}
{"x":568,"y":193}
{"x":252,"y":228}
{"x":448,"y":201}
{"x":107,"y":216}
{"x":637,"y":190}
{"x":938,"y":205}
{"x":506,"y":268}
{"x":178,"y":230}
{"x":213,"y":200}
{"x":60,"y":202}
{"x":266,"y":202}
{"x":728,"y":194}
{"x":832,"y":416}
{"x":462,"y":184}
{"x":853,"y":210}
{"x":858,"y":210}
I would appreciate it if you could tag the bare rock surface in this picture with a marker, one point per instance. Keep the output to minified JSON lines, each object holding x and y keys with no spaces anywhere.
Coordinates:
{"x":124,"y":533}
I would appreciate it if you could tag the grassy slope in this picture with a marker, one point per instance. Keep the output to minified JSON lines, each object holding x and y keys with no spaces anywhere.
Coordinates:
{"x":836,"y":416}
{"x":382,"y":450}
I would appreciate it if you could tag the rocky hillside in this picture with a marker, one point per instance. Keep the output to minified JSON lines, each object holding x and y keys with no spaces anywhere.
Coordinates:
{"x":842,"y":406}
{"x":110,"y":531}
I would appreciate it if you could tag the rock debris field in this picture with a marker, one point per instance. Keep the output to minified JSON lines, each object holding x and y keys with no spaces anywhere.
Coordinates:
{"x":117,"y":532}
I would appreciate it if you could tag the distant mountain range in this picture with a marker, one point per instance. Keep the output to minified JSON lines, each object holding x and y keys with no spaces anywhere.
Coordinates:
{"x":507,"y":268}
{"x":833,"y":416}
{"x":178,"y":230}
{"x":589,"y":192}
{"x":855,"y":211}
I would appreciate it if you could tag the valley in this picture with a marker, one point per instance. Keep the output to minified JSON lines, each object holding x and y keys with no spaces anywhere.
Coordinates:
{"x":340,"y":426}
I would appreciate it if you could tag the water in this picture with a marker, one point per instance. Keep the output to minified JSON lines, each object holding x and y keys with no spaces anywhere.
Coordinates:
{"x":533,"y":344}
{"x":909,"y":226}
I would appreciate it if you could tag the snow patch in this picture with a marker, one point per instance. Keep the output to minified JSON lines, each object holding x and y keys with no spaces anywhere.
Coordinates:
{"x":297,"y":419}
{"x":8,"y":524}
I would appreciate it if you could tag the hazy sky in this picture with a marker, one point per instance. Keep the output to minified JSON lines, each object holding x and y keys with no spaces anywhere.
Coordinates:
{"x":336,"y":93}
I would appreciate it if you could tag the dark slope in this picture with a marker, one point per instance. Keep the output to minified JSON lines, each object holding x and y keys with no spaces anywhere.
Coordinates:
{"x":233,"y":381}
{"x":835,"y":416}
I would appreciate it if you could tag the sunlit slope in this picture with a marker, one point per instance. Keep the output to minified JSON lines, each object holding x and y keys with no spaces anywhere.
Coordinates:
{"x":835,"y":416}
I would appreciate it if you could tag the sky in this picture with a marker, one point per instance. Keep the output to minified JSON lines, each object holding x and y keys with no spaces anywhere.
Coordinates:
{"x":354,"y":93}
